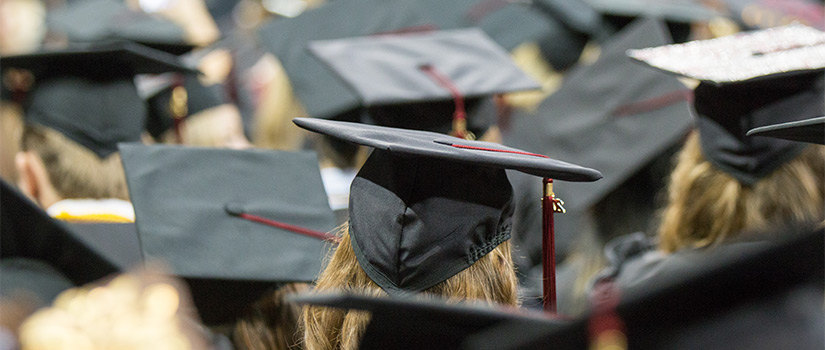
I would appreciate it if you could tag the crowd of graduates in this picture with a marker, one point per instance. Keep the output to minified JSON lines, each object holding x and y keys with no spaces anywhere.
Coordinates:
{"x":342,"y":174}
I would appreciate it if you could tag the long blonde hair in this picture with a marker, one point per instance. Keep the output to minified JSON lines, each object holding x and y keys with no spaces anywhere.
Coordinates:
{"x":272,"y":322}
{"x":707,"y":206}
{"x":491,"y":279}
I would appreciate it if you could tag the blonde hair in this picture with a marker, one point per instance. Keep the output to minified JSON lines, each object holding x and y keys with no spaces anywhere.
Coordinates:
{"x":75,"y":171}
{"x":707,"y":206}
{"x":492,"y":279}
{"x":273,"y":117}
{"x":271,"y":323}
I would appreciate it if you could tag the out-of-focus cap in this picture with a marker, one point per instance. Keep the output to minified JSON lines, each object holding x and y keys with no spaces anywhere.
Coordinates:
{"x":231,"y":234}
{"x":90,"y":21}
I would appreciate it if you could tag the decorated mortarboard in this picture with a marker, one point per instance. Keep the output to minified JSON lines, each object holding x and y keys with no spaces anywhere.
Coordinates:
{"x":808,"y":130}
{"x":27,"y":232}
{"x":88,"y":93}
{"x":426,"y":206}
{"x":235,"y":233}
{"x":415,"y":68}
{"x":90,"y":21}
{"x":611,"y":115}
{"x":423,"y":323}
{"x":749,"y":80}
{"x":766,"y":297}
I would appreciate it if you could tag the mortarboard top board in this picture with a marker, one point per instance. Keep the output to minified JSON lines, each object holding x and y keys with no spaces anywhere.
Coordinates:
{"x":415,"y":68}
{"x":32,"y":278}
{"x":749,"y":80}
{"x":209,"y":226}
{"x":321,"y":93}
{"x":453,"y":194}
{"x":809,"y":130}
{"x":611,"y":115}
{"x":104,"y":20}
{"x":87,"y":93}
{"x":768,"y":297}
{"x":423,"y":323}
{"x":28,"y":232}
{"x":763,"y":54}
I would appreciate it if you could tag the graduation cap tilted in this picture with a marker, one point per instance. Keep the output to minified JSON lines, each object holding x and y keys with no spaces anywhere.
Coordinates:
{"x":808,"y":130}
{"x":766,"y":297}
{"x":232,"y":234}
{"x":422,"y":67}
{"x":747,"y":81}
{"x":423,"y":323}
{"x":610,"y":115}
{"x":453,"y":195}
{"x":90,"y":21}
{"x":684,"y":11}
{"x":33,"y":242}
{"x":88,"y":93}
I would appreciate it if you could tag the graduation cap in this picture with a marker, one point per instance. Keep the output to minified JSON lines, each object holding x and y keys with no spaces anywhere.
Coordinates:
{"x":318,"y":89}
{"x":111,"y":20}
{"x":27,"y":232}
{"x":426,"y":206}
{"x":178,"y":98}
{"x":766,"y":297}
{"x":430,"y":323}
{"x":678,"y":14}
{"x":88,"y":94}
{"x":809,"y":130}
{"x":611,"y":115}
{"x":749,"y":80}
{"x":232,"y":235}
{"x":422,"y":67}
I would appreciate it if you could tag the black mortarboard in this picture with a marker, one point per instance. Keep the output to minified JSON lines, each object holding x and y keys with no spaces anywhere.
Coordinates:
{"x":749,"y":80}
{"x":767,"y":297}
{"x":320,"y":92}
{"x":231,"y":234}
{"x":88,"y":94}
{"x":32,"y":278}
{"x":29,"y":233}
{"x":611,"y":115}
{"x":90,"y":21}
{"x":423,"y":323}
{"x":416,"y":68}
{"x":426,"y":206}
{"x":808,"y":130}
{"x":198,"y":97}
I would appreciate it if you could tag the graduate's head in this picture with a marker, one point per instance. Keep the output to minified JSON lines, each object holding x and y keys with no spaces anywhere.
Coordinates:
{"x":429,"y":214}
{"x":81,"y":104}
{"x":725,"y":181}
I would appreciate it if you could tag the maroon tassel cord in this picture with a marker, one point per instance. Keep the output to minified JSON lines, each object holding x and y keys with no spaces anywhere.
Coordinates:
{"x":549,"y":206}
{"x":234,"y":211}
{"x":459,"y":115}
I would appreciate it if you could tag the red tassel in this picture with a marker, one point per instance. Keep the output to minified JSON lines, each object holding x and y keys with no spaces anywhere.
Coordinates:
{"x":548,"y":246}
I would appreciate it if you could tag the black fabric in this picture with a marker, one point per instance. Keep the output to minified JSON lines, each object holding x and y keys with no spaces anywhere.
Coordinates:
{"x":726,"y":113}
{"x":683,"y":11}
{"x":26,"y":231}
{"x":411,"y":230}
{"x":186,"y":214}
{"x":102,"y":20}
{"x":423,"y":208}
{"x":438,"y":146}
{"x":31,"y":278}
{"x":422,"y":323}
{"x":88,"y":94}
{"x":199,"y":98}
{"x":764,"y":297}
{"x":808,"y":130}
